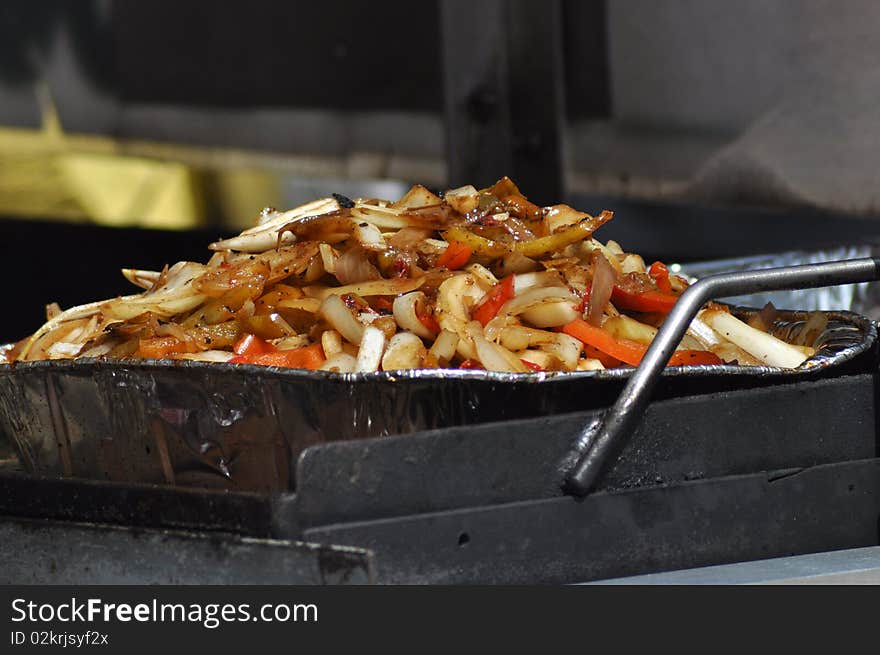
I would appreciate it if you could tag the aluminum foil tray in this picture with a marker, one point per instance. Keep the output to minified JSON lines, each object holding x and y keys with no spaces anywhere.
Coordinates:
{"x":863,"y":297}
{"x":242,"y":427}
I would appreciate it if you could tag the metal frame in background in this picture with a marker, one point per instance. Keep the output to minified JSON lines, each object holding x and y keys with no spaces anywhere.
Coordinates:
{"x":504,"y":93}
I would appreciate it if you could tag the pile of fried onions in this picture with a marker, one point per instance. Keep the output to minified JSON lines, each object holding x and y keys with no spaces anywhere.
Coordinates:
{"x":470,"y":279}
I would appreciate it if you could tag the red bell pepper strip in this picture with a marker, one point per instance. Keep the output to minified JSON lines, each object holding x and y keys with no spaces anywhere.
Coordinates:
{"x":632,"y":352}
{"x":594,"y":353}
{"x":660,"y":274}
{"x":250,"y":345}
{"x":470,"y":364}
{"x":455,"y":256}
{"x":381,"y":304}
{"x":160,"y":347}
{"x":430,"y":323}
{"x":488,"y":307}
{"x":532,"y":366}
{"x":250,"y":349}
{"x":309,"y":357}
{"x":646,"y":301}
{"x":694,"y":358}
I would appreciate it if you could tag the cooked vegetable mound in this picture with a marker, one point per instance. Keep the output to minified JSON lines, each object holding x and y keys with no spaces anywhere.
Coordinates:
{"x":479,"y":279}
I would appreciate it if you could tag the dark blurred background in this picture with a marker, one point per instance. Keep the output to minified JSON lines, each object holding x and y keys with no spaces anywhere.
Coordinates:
{"x":133,"y":133}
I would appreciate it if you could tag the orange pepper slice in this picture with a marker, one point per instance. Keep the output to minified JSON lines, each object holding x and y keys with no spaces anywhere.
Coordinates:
{"x":250,"y":349}
{"x":455,"y":256}
{"x":632,"y":352}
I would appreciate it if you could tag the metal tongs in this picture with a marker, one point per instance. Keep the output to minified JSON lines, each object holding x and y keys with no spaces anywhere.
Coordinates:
{"x":609,"y":433}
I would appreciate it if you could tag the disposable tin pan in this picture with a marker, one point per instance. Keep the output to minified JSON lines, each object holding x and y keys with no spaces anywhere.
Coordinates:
{"x":242,"y":427}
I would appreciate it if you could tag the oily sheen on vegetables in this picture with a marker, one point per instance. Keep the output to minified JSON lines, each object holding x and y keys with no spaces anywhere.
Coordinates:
{"x":473,"y":279}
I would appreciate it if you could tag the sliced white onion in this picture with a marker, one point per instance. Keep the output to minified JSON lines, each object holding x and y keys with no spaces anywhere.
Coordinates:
{"x":444,"y":346}
{"x":406,"y":310}
{"x":264,"y":236}
{"x":390,"y":287}
{"x":545,"y":360}
{"x":369,"y":236}
{"x":331,"y":342}
{"x":139,"y":278}
{"x":168,"y":329}
{"x":315,"y":270}
{"x":763,"y":346}
{"x":266,"y":215}
{"x":247,"y":309}
{"x":590,"y":364}
{"x":708,"y":339}
{"x":102,"y":349}
{"x":329,"y":257}
{"x":407,"y":239}
{"x":632,"y":264}
{"x":729,"y":352}
{"x":310,"y":305}
{"x":208,"y":356}
{"x":543,"y":306}
{"x":335,"y":312}
{"x":463,"y":199}
{"x":63,"y":350}
{"x":175,"y":296}
{"x":279,"y":321}
{"x":378,"y":208}
{"x":593,"y":244}
{"x":354,"y":266}
{"x":551,"y":314}
{"x":604,"y":277}
{"x":73,"y":337}
{"x":625,"y":327}
{"x":703,"y":332}
{"x":72,"y":314}
{"x":53,"y":309}
{"x":482,"y":275}
{"x":516,"y":262}
{"x":614,"y":247}
{"x":292,"y":342}
{"x":493,"y":329}
{"x":405,"y":351}
{"x":526,"y":281}
{"x":455,"y":298}
{"x":559,"y":217}
{"x":341,"y":362}
{"x":535,"y":296}
{"x":382,"y":217}
{"x":162,"y":306}
{"x":497,"y":358}
{"x":515,"y":338}
{"x":418,"y":196}
{"x":567,"y":349}
{"x":371,"y":349}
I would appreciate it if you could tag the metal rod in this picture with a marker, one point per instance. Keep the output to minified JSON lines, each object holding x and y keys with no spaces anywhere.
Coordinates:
{"x":600,"y":439}
{"x":504,"y":98}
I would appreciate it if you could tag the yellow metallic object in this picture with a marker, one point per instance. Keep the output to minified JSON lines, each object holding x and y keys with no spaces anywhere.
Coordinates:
{"x":48,"y":174}
{"x":125,"y":191}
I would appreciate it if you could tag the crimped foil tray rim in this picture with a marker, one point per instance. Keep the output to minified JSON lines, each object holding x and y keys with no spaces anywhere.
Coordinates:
{"x":867,"y":328}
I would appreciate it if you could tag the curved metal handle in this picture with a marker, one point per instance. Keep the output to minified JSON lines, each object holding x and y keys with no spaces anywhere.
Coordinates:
{"x":597,"y":441}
